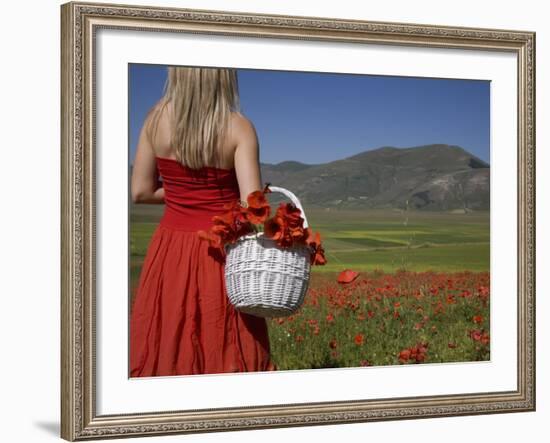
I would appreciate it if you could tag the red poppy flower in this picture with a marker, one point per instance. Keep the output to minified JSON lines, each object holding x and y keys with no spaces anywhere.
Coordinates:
{"x":312,"y":240}
{"x":404,"y":355}
{"x":347,"y":276}
{"x":274,"y":228}
{"x":291,"y":214}
{"x":475,"y":334}
{"x":233,"y":223}
{"x":416,"y":353}
{"x":297,"y":234}
{"x":258,"y":209}
{"x":420,"y":357}
{"x":234,"y":207}
{"x":479,"y":335}
{"x":224,"y":231}
{"x":237,"y":213}
{"x":224,"y":219}
{"x":451,"y":299}
{"x":319,"y":256}
{"x":286,"y":227}
{"x":213,"y":239}
{"x":359,"y":339}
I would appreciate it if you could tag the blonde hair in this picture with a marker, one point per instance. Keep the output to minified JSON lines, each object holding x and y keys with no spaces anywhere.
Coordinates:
{"x":202,"y":101}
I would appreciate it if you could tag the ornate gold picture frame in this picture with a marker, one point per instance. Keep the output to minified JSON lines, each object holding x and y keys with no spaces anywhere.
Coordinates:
{"x":80,"y":23}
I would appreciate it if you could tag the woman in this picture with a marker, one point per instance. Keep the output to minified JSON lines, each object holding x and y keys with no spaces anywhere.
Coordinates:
{"x":207,"y":154}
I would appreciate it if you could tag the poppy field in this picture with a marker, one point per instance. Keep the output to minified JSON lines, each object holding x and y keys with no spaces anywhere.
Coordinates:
{"x":376,"y":318}
{"x":398,"y":288}
{"x":416,"y":289}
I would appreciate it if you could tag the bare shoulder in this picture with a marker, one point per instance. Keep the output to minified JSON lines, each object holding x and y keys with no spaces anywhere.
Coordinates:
{"x":158,"y":111}
{"x":242,"y":128}
{"x":157,"y":127}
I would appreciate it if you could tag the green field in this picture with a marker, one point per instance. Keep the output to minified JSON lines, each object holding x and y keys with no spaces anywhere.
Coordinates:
{"x":387,"y":310}
{"x":448,"y":313}
{"x":369,"y":240}
{"x":375,"y":239}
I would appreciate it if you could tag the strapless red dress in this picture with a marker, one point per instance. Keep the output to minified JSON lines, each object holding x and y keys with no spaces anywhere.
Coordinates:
{"x":181,"y":321}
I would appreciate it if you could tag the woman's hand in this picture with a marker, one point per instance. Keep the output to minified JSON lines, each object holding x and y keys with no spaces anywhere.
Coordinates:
{"x":145,"y":184}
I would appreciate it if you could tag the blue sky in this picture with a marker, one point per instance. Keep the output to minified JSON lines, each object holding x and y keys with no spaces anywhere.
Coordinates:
{"x":319,"y":117}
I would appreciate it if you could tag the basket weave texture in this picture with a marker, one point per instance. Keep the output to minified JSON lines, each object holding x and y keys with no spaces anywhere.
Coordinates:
{"x":265,"y":279}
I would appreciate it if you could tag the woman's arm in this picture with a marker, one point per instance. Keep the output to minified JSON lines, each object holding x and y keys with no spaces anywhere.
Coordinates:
{"x":145,"y":184}
{"x":247,"y":163}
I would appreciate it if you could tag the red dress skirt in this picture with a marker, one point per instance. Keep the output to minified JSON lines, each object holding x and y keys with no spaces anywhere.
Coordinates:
{"x":181,"y":319}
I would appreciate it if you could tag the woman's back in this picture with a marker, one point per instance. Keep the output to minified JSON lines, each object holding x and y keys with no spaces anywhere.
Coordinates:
{"x":239,"y":150}
{"x":162,"y":136}
{"x":182,"y":321}
{"x":193,"y":196}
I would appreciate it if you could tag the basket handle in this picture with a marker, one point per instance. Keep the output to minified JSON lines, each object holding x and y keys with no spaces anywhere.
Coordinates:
{"x":293,"y":198}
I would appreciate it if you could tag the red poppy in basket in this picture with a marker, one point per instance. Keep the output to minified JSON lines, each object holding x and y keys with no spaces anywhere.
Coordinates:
{"x":318,"y":252}
{"x":237,"y":211}
{"x":274,"y":228}
{"x":239,"y":219}
{"x":228,"y":226}
{"x":295,"y":223}
{"x":223,"y":226}
{"x":286,"y":227}
{"x":214,"y":239}
{"x":291,"y":214}
{"x":258,"y":207}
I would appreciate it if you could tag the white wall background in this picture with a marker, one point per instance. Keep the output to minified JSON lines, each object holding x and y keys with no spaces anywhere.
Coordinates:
{"x":29,"y":225}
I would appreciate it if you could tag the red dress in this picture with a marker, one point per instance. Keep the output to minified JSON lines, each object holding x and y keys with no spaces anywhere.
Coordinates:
{"x":181,"y":321}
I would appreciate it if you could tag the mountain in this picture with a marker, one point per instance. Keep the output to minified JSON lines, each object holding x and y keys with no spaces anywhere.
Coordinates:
{"x":430,"y":177}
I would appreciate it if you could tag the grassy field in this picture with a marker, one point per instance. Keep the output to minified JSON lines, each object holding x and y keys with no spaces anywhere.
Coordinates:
{"x":422,"y":295}
{"x":391,"y":240}
{"x":386,"y":319}
{"x":372,"y":239}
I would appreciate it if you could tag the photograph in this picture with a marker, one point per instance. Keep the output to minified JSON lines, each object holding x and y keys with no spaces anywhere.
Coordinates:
{"x":274,"y":221}
{"x":289,"y":220}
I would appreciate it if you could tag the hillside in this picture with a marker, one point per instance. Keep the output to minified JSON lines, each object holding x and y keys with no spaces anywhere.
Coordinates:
{"x":431,"y":177}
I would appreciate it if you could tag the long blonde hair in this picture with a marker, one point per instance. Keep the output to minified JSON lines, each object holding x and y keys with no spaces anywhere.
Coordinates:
{"x":202,"y":101}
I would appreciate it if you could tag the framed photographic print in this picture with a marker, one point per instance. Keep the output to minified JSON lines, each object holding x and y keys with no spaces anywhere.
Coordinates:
{"x":275,"y":220}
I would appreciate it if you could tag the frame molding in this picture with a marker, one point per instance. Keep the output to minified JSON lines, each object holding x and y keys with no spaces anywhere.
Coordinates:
{"x":79,"y":22}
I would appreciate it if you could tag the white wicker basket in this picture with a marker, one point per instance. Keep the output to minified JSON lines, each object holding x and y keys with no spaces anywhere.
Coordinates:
{"x":264,"y":279}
